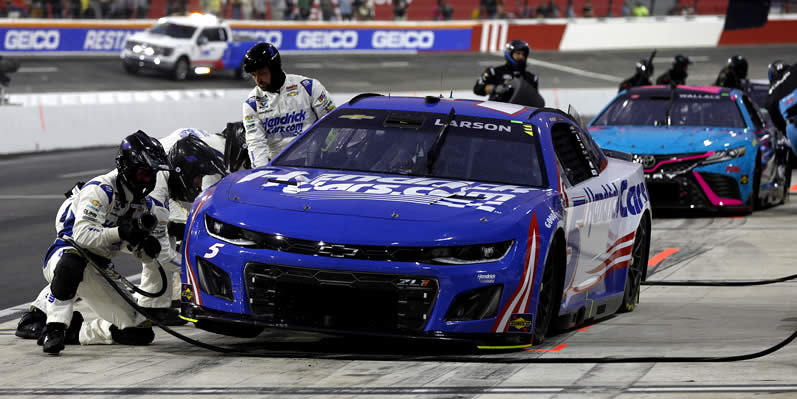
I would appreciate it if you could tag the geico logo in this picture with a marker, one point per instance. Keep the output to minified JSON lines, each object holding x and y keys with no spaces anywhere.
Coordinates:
{"x":327,"y":39}
{"x":403,"y":39}
{"x":270,"y":36}
{"x":105,"y":39}
{"x":32,"y":39}
{"x":387,"y":2}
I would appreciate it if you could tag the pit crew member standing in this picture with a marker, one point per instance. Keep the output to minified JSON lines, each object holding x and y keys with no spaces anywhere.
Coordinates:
{"x":782,"y":84}
{"x":644,"y":70}
{"x":734,"y":75}
{"x":100,"y":218}
{"x":677,"y":73}
{"x":280,"y":107}
{"x":494,"y":81}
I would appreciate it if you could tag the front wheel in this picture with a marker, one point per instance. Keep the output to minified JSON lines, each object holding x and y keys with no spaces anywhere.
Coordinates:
{"x":550,"y":297}
{"x":180,"y":71}
{"x":638,"y":266}
{"x":130,"y":68}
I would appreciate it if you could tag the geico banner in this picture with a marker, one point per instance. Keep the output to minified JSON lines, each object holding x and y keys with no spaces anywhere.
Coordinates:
{"x":366,"y":39}
{"x":110,"y":40}
{"x":26,"y":40}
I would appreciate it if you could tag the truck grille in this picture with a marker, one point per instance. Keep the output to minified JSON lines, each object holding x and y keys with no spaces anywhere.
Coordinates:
{"x":337,"y":299}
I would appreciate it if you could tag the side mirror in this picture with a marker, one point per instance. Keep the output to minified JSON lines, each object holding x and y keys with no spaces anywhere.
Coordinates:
{"x":202,"y":40}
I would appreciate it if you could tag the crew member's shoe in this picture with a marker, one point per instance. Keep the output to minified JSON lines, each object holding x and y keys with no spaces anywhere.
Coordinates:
{"x":53,"y":338}
{"x":73,"y":332}
{"x":166,"y":316}
{"x":31,"y":324}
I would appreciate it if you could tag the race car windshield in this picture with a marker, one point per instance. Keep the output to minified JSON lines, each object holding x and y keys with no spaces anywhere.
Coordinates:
{"x":173,"y":30}
{"x":380,"y":141}
{"x":687,"y":110}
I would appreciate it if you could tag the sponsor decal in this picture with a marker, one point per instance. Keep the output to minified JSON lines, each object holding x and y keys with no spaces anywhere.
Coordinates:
{"x":520,"y":322}
{"x":329,"y":107}
{"x":288,"y":123}
{"x":249,"y":117}
{"x":32,"y":39}
{"x":528,"y":129}
{"x":95,"y":202}
{"x":293,"y":87}
{"x":701,"y":96}
{"x":382,"y":39}
{"x":308,"y":86}
{"x":187,"y":293}
{"x":411,"y":282}
{"x":732,"y":169}
{"x":356,"y":117}
{"x":634,"y":201}
{"x":326,"y":39}
{"x":292,"y":93}
{"x":465,"y":124}
{"x":486,"y":278}
{"x":270,"y":36}
{"x":550,"y":220}
{"x":321,"y":98}
{"x":744,"y":179}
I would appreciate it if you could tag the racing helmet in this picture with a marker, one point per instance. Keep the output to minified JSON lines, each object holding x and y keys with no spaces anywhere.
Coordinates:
{"x":776,"y":70}
{"x":645,"y":68}
{"x":139,"y":159}
{"x":235,"y":153}
{"x":262,"y":55}
{"x":680,"y":62}
{"x":516,"y":45}
{"x":738,"y":65}
{"x":191,"y":160}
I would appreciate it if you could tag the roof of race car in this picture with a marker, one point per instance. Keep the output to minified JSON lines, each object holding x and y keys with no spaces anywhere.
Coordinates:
{"x":665,"y":89}
{"x":484,"y":109}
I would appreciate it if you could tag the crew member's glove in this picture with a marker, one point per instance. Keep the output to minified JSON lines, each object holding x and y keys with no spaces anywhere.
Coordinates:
{"x":132,"y":233}
{"x":502,"y":89}
{"x":149,"y":249}
{"x":176,"y":230}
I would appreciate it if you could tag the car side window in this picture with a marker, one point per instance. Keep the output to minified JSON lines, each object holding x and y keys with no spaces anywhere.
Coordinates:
{"x":222,"y":35}
{"x":573,"y":153}
{"x":212,"y":34}
{"x":751,"y":109}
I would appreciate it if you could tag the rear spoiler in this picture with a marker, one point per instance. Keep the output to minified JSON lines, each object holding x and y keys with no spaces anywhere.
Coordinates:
{"x":618,"y":155}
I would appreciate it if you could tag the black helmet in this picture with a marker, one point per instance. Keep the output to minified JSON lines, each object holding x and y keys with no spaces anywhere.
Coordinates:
{"x":191,"y":159}
{"x":235,"y":153}
{"x":776,"y":70}
{"x":645,"y":68}
{"x":511,"y":47}
{"x":738,"y":65}
{"x":262,"y":55}
{"x":680,"y":61}
{"x":139,"y":158}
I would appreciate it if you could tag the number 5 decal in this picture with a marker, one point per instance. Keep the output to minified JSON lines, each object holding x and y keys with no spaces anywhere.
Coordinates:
{"x":213,"y":251}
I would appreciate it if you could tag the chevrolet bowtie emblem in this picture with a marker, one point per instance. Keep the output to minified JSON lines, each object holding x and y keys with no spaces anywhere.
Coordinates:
{"x":337,"y":251}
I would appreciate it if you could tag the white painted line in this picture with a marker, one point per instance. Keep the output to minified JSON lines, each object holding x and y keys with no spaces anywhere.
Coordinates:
{"x":309,"y":65}
{"x":394,"y":64}
{"x":575,"y":71}
{"x":30,"y":196}
{"x":93,"y":172}
{"x":24,"y":307}
{"x":761,"y":388}
{"x":37,"y":69}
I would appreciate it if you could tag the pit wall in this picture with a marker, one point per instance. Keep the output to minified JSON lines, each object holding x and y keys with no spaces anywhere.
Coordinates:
{"x":84,"y":37}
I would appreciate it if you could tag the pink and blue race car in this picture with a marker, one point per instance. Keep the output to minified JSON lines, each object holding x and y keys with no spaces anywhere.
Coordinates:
{"x":422,"y":218}
{"x":703,"y":148}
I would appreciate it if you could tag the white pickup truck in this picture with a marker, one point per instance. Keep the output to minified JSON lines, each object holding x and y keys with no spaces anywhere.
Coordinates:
{"x":182,"y":46}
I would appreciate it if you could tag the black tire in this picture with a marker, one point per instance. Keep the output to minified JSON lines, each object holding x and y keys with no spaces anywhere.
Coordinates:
{"x":181,"y":69}
{"x":230,"y":329}
{"x":787,"y":180}
{"x":130,"y":68}
{"x":550,"y":297}
{"x":757,"y":203}
{"x":637,"y":269}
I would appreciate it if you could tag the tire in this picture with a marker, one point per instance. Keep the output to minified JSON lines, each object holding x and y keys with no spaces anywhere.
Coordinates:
{"x":757,"y":203}
{"x":181,"y":69}
{"x":787,"y":180}
{"x":549,"y":299}
{"x":129,"y":68}
{"x":230,"y":329}
{"x":637,"y":269}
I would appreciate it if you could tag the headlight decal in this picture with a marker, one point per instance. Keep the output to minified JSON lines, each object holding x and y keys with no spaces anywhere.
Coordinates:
{"x":518,"y":302}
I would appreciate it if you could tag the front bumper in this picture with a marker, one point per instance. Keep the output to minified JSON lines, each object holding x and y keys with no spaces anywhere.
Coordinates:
{"x":140,"y":61}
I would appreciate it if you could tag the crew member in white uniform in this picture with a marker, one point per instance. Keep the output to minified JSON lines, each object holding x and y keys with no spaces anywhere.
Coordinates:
{"x":101,"y":218}
{"x":280,"y":107}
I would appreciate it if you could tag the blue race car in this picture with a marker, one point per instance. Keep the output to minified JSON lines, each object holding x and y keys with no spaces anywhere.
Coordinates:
{"x":424,"y":218}
{"x":701,"y":147}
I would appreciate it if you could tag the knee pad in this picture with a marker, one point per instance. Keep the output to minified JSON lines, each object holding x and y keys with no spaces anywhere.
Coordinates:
{"x":68,"y":275}
{"x":133,"y":335}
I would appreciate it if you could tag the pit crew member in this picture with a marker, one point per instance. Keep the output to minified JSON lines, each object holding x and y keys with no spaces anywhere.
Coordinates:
{"x":677,"y":73}
{"x":495,"y":81}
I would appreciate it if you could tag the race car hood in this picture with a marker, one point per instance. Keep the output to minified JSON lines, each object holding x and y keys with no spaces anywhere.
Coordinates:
{"x":374,"y":195}
{"x":154,"y":40}
{"x":668,"y":139}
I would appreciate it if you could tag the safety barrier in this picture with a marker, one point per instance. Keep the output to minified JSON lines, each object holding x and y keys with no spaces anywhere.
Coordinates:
{"x":41,"y":122}
{"x":30,"y":37}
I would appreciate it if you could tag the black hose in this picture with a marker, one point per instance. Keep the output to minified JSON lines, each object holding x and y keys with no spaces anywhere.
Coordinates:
{"x":720,"y":283}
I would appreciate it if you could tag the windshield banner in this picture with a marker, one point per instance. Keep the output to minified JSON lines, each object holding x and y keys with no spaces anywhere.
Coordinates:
{"x":107,"y":38}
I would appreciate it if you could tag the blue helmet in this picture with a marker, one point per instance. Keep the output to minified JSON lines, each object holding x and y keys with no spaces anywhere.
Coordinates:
{"x":511,"y":47}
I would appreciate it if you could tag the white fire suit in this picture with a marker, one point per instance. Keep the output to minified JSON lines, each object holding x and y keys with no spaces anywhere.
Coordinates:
{"x":178,"y":213}
{"x":90,"y":217}
{"x":273,"y":120}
